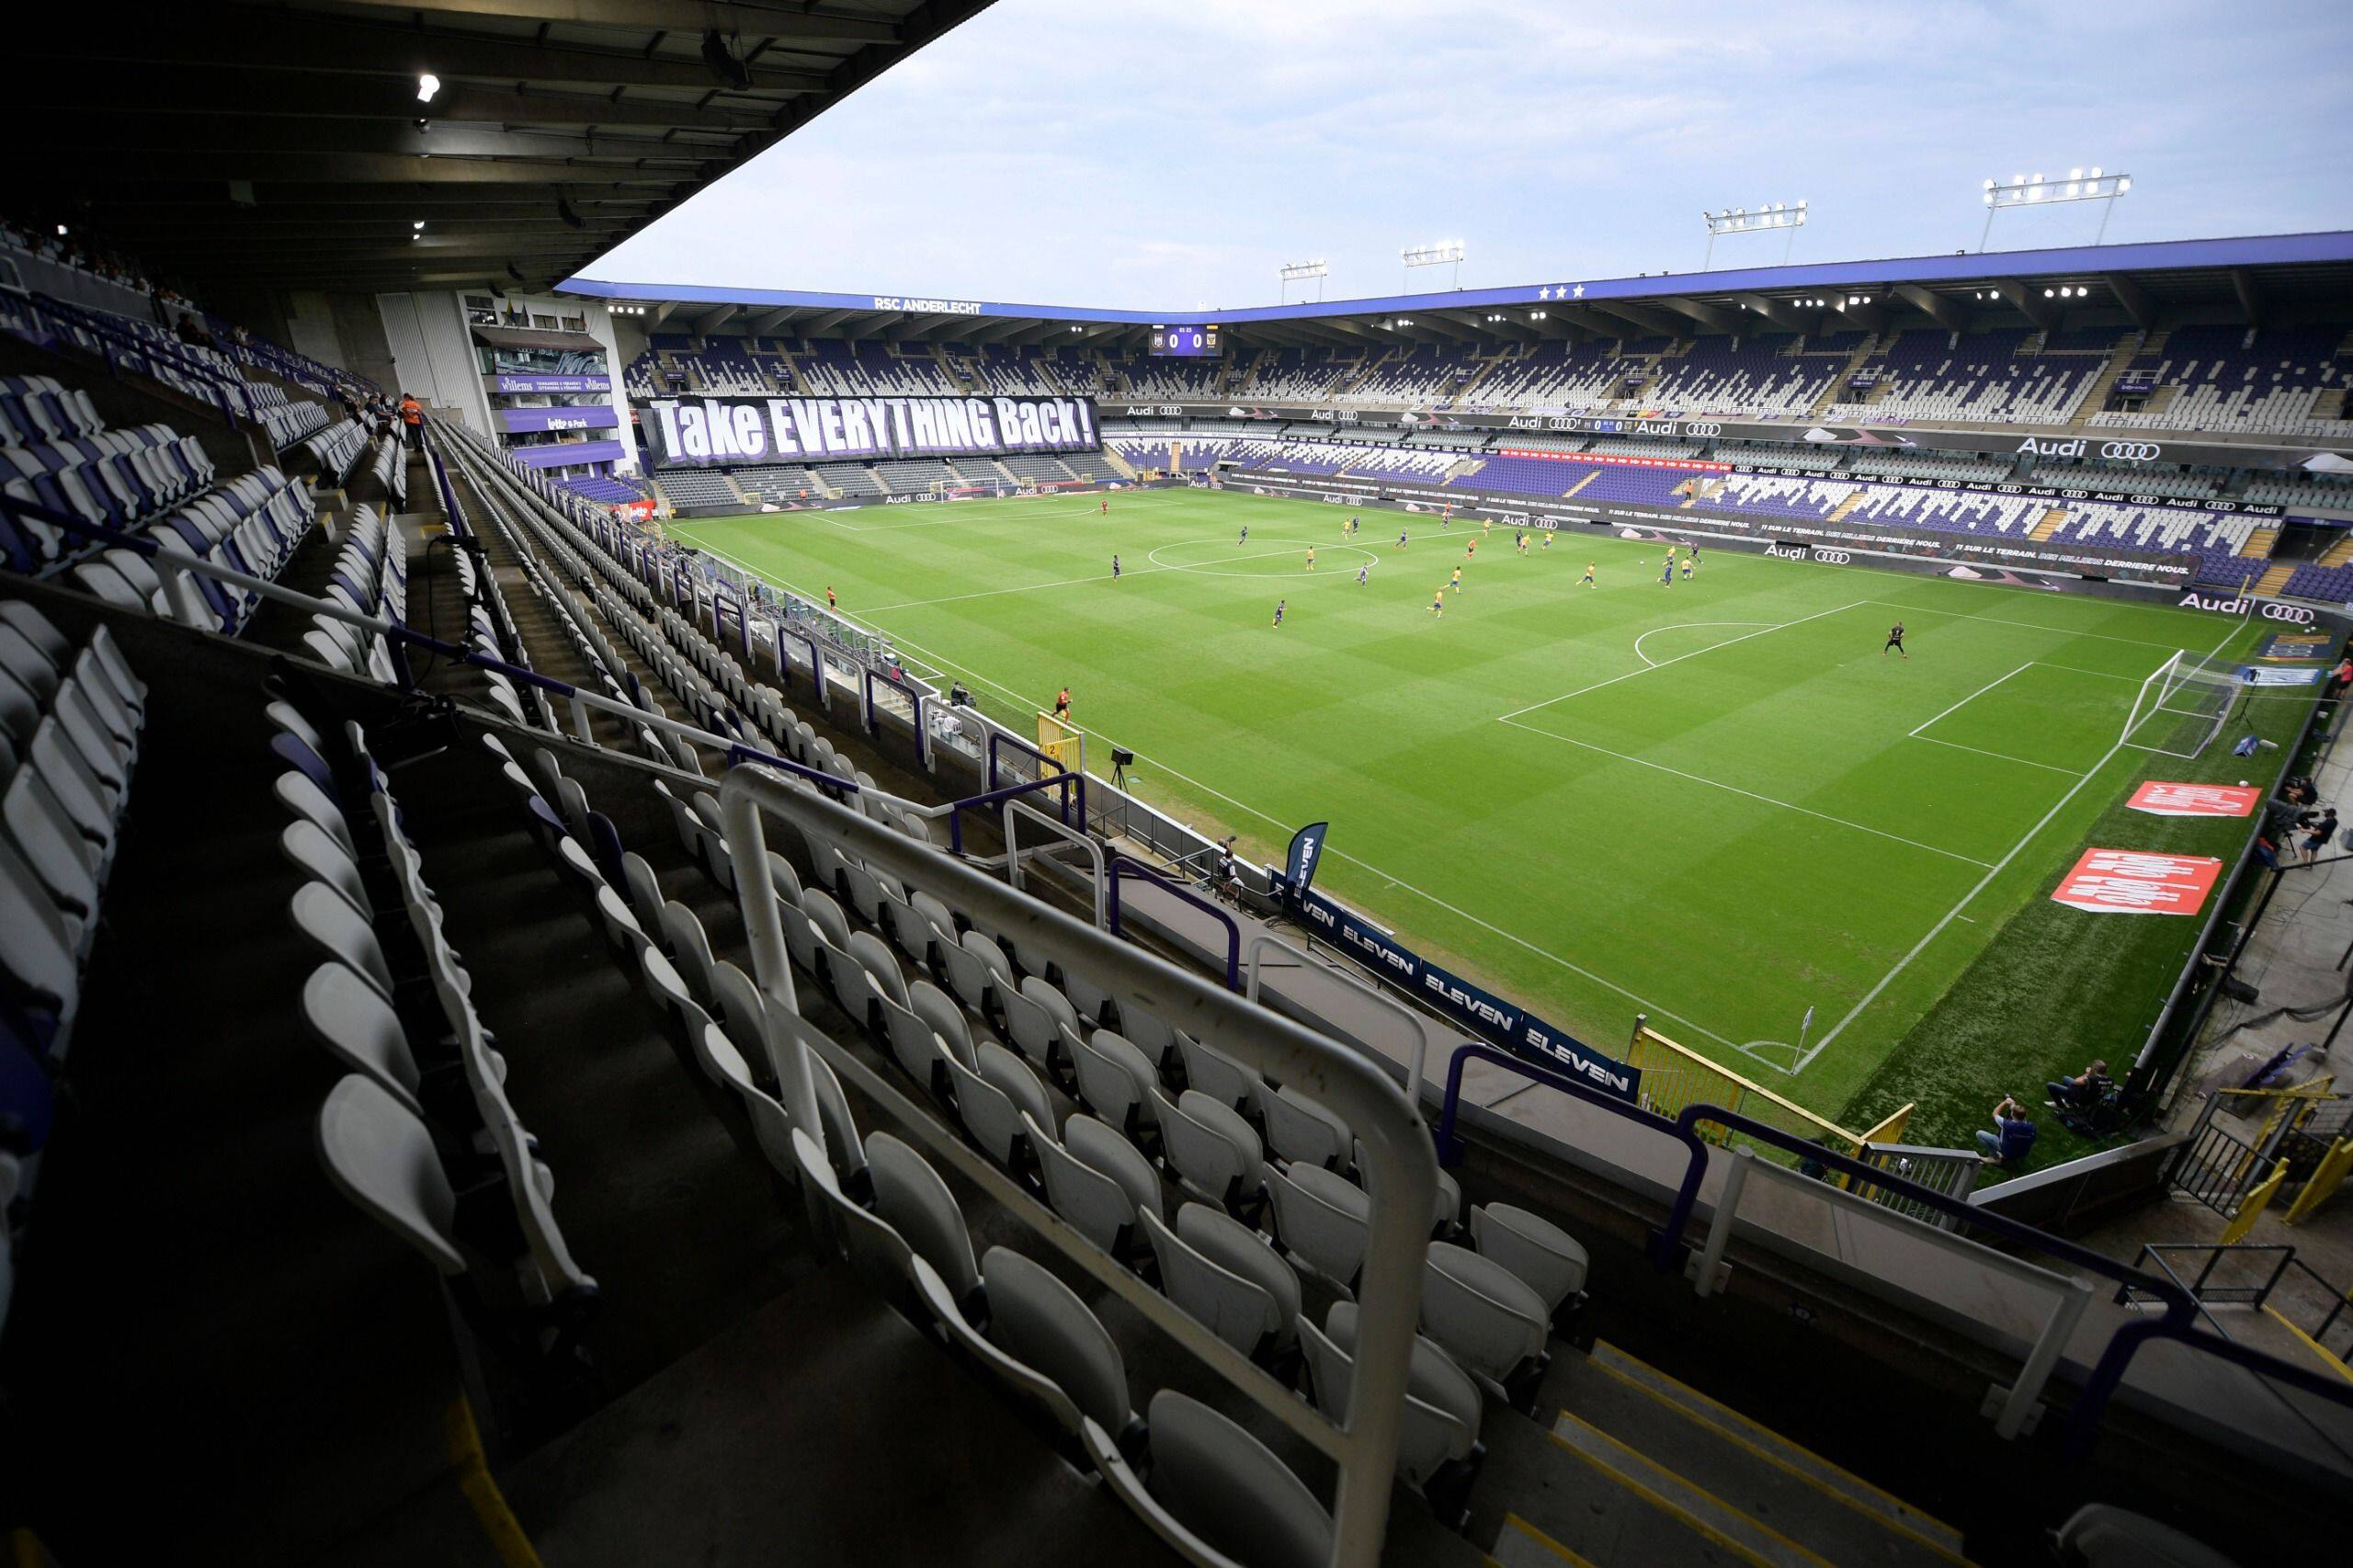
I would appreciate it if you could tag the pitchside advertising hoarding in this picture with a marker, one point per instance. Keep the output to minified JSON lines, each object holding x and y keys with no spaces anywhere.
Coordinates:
{"x":1451,"y":997}
{"x":2131,"y":449}
{"x":711,"y":431}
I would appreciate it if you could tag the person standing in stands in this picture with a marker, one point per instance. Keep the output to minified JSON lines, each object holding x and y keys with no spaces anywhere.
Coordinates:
{"x":413,"y":417}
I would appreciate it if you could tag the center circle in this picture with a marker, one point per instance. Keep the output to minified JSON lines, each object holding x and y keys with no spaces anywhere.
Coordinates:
{"x":1280,"y":557}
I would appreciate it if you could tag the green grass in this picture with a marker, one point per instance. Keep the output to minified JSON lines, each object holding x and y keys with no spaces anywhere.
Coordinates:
{"x":1702,"y":802}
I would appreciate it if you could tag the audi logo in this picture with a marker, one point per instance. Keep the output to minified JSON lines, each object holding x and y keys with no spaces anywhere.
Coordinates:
{"x":2295,"y":613}
{"x":1835,"y":557}
{"x":1702,"y":427}
{"x":2131,"y":451}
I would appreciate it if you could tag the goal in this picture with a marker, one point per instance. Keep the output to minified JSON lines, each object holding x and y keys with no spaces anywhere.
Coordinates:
{"x":2183,"y":705}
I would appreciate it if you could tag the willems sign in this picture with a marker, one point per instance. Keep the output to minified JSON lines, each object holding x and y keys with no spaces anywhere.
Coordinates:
{"x":711,"y":430}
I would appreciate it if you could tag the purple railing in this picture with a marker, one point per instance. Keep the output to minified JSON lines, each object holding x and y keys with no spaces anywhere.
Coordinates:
{"x":1123,"y":866}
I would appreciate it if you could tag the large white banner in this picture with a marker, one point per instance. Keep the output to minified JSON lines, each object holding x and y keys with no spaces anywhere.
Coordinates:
{"x":711,"y":430}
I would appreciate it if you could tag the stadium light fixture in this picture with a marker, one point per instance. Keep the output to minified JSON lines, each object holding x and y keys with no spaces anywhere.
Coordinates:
{"x":428,"y":83}
{"x":2036,"y":190}
{"x":1292,"y":272}
{"x":1786,"y":216}
{"x":1442,"y":252}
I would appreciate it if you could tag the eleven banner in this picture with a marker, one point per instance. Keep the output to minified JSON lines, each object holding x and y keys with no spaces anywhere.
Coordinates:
{"x":1515,"y":1028}
{"x":2133,"y":882}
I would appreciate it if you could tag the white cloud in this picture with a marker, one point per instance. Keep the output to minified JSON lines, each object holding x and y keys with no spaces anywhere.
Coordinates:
{"x":1153,"y":152}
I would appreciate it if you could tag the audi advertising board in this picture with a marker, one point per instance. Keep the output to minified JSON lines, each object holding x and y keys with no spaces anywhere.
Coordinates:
{"x":701,"y":432}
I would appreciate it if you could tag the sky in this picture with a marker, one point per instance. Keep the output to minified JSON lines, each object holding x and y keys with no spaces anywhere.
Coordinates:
{"x":1171,"y":155}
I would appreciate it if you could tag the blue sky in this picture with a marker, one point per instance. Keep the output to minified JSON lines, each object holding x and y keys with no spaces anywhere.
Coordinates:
{"x":1164,"y":154}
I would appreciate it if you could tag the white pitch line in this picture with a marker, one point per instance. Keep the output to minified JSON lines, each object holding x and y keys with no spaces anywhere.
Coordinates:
{"x":2020,"y":625}
{"x":1422,"y":894}
{"x":1613,"y":680}
{"x":1998,"y":755}
{"x":1914,"y":731}
{"x":1937,"y":929}
{"x":1160,"y":501}
{"x":1751,"y":794}
{"x":1105,"y":577}
{"x":1686,"y":625}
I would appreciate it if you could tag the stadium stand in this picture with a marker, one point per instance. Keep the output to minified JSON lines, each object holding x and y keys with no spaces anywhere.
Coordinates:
{"x":2241,"y":379}
{"x":1990,"y":377}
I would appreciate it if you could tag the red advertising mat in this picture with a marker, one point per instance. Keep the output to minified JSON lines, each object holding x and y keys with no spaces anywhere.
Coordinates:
{"x":2163,"y":800}
{"x":2133,"y":882}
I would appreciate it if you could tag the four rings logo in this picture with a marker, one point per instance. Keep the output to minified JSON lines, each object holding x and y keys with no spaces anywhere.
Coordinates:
{"x":2132,"y":451}
{"x":1835,"y":557}
{"x":2295,"y":613}
{"x":1702,"y":427}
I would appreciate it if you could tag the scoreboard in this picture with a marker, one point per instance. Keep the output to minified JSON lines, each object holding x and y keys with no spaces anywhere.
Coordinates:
{"x":1185,"y":342}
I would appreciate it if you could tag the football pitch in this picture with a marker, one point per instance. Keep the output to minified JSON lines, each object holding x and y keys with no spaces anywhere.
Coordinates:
{"x":1716,"y":802}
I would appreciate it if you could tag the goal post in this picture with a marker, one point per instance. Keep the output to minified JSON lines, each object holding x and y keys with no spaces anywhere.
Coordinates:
{"x":2183,"y":705}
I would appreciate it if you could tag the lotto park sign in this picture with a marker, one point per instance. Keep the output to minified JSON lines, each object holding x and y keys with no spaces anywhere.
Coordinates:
{"x":723,"y":430}
{"x":1481,"y":1011}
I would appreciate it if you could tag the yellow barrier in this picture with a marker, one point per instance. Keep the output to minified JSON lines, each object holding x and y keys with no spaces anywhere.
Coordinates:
{"x":1675,"y":1076}
{"x":2325,"y":1179}
{"x":2252,"y":1206}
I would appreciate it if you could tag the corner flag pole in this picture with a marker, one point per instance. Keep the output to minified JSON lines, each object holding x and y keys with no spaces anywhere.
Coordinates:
{"x":1804,"y":1025}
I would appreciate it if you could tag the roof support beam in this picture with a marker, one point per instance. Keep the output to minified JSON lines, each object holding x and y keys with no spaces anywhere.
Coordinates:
{"x":2250,"y":297}
{"x":2027,"y":303}
{"x":90,"y":130}
{"x":2133,"y":298}
{"x":238,"y":37}
{"x":1706,"y":315}
{"x":1947,"y":314}
{"x":790,"y":23}
{"x":152,"y":89}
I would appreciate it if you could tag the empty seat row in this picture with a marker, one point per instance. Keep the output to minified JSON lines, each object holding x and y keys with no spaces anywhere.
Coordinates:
{"x":252,"y":525}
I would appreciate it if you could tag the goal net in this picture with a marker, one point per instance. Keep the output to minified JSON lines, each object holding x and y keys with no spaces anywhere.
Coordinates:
{"x":2183,"y":705}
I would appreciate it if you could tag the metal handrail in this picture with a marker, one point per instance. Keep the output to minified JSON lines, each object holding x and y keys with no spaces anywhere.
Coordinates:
{"x":1402,"y":1175}
{"x":1127,"y":866}
{"x":1418,"y":1057}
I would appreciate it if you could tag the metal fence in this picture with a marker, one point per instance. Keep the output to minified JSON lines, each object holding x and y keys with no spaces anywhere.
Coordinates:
{"x":1953,"y":1172}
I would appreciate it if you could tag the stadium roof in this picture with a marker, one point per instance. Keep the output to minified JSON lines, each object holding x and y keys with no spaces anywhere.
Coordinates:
{"x":286,"y":145}
{"x":2247,"y":278}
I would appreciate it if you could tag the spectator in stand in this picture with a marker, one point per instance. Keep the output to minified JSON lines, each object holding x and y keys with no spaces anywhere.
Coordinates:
{"x":2319,"y":835}
{"x":2082,"y":1091}
{"x":2012,"y":1134}
{"x":412,"y":416}
{"x":191,"y":332}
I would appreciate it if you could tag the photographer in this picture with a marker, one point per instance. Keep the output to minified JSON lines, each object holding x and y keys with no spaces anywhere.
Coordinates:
{"x":2012,"y":1134}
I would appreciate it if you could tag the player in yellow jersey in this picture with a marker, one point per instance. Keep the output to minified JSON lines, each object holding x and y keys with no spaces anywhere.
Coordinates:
{"x":1586,"y":581}
{"x":1438,"y":604}
{"x":1687,"y":568}
{"x":1311,"y":558}
{"x":1457,"y":584}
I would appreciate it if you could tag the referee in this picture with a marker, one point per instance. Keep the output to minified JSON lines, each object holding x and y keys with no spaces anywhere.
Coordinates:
{"x":1895,"y":640}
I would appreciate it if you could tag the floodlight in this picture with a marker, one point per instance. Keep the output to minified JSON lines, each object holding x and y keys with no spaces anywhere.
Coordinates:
{"x":1784,"y":215}
{"x":428,"y":83}
{"x":2081,"y":184}
{"x":1440,"y":253}
{"x":1299,"y":272}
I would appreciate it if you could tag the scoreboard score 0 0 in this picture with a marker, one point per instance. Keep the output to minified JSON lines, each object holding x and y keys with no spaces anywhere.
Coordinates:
{"x":1185,"y":342}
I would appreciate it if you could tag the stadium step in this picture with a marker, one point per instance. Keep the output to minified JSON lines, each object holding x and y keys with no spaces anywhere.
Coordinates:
{"x":2261,"y":540}
{"x":2275,"y":577}
{"x":1838,"y":513}
{"x":2050,"y":524}
{"x":2338,"y":552}
{"x":1746,"y":1466}
{"x":2094,"y":396}
{"x":1837,"y":392}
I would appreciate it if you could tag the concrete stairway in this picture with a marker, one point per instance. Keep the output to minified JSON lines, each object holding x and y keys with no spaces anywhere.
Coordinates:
{"x":2338,"y":552}
{"x":2094,"y":396}
{"x":1837,"y":390}
{"x":1638,"y":1468}
{"x":2260,"y":542}
{"x":1838,"y":513}
{"x":2048,"y":524}
{"x":2275,"y":577}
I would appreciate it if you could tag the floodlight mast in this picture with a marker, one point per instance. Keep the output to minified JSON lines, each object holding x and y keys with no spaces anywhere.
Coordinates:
{"x":1299,"y":272}
{"x":1444,"y":252}
{"x":2034,"y":191}
{"x":1786,"y":216}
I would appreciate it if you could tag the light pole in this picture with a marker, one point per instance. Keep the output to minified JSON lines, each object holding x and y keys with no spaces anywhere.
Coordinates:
{"x":1789,"y":217}
{"x":1446,"y":253}
{"x":2033,"y":190}
{"x":1299,"y":272}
